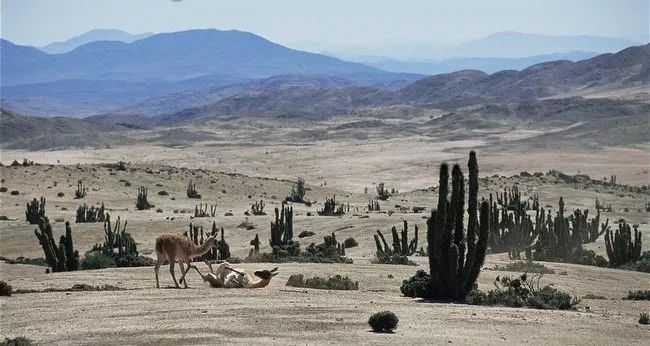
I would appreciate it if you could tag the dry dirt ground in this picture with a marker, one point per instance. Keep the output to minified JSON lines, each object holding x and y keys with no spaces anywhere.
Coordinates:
{"x":278,"y":314}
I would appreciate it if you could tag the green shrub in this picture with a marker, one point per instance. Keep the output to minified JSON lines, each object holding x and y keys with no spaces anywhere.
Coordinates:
{"x":19,"y":341}
{"x":5,"y":289}
{"x":593,"y":296}
{"x":336,"y":282}
{"x":644,"y":318}
{"x":383,"y":322}
{"x":134,"y":261}
{"x":419,"y":285}
{"x":388,"y":258}
{"x":588,"y":257}
{"x":350,"y":242}
{"x":306,"y":234}
{"x":163,"y":193}
{"x":97,"y":260}
{"x":638,"y":295}
{"x":524,"y":266}
{"x":522,"y":292}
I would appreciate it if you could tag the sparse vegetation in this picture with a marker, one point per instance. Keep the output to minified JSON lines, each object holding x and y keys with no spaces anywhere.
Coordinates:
{"x":97,"y":260}
{"x":524,"y":266}
{"x":336,"y":282}
{"x":644,"y":318}
{"x":383,"y":322}
{"x":638,"y":295}
{"x":523,"y":292}
{"x":5,"y":289}
{"x":18,"y":341}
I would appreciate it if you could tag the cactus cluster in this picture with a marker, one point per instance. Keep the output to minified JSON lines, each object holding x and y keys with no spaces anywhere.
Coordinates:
{"x":81,"y":190}
{"x":455,"y":258}
{"x":623,"y":245}
{"x":298,"y":191}
{"x":282,"y":232}
{"x":382,"y":192}
{"x":257,"y":208}
{"x":191,"y":191}
{"x":511,"y":199}
{"x":205,"y":210}
{"x":329,"y":251}
{"x":141,"y":202}
{"x":198,"y":236}
{"x":90,"y":214}
{"x":512,"y":232}
{"x":561,"y":238}
{"x":118,"y":243}
{"x":401,"y":245}
{"x":62,"y":257}
{"x":331,"y":209}
{"x":373,"y":205}
{"x":35,"y":211}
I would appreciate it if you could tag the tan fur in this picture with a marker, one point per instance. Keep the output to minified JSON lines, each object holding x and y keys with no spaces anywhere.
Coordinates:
{"x":228,"y":277}
{"x":177,"y":247}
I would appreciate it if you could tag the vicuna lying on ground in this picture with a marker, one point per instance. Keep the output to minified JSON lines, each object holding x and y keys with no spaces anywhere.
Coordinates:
{"x":228,"y":277}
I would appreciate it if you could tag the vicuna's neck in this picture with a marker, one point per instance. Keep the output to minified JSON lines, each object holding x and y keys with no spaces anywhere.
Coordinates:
{"x":201,"y":249}
{"x":260,"y":284}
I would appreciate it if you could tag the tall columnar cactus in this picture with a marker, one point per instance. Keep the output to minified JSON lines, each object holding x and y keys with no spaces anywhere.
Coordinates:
{"x":35,"y":211}
{"x":401,"y":244}
{"x":255,"y":243}
{"x":191,"y":190}
{"x":623,"y":246}
{"x":382,"y":192}
{"x":282,"y":232}
{"x":81,"y":190}
{"x":118,"y":243}
{"x":456,"y":258}
{"x":205,"y":210}
{"x":588,"y":229}
{"x":557,"y":240}
{"x":373,"y":205}
{"x":142,"y":203}
{"x":62,"y":257}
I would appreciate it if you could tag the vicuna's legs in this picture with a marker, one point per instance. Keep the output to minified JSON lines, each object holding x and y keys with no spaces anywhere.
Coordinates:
{"x":172,"y":263}
{"x":161,"y":258}
{"x":189,"y":264}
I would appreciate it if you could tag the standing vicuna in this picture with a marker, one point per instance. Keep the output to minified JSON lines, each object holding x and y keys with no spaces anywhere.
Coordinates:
{"x":172,"y":247}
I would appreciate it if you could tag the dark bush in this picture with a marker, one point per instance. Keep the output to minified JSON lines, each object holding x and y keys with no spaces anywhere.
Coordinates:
{"x":5,"y":289}
{"x":336,"y":282}
{"x":60,"y":194}
{"x":350,"y":242}
{"x":4,"y":218}
{"x":388,"y":258}
{"x":524,"y":266}
{"x":383,"y":322}
{"x":15,"y":193}
{"x":306,"y":234}
{"x":97,"y":260}
{"x":522,"y":292}
{"x":19,"y":341}
{"x":644,"y":318}
{"x":588,"y":257}
{"x":135,"y":261}
{"x":163,"y":193}
{"x":419,"y":285}
{"x":3,"y":189}
{"x":638,"y":295}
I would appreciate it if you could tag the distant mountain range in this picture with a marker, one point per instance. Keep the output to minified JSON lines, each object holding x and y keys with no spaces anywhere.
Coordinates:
{"x":487,"y":65}
{"x":92,"y":36}
{"x":627,"y":68}
{"x":506,"y":44}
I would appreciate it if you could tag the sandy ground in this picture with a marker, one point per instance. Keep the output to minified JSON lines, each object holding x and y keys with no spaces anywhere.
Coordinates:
{"x":279,"y":314}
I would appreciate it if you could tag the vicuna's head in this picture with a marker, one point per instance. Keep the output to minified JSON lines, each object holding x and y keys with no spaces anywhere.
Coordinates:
{"x":266,"y":274}
{"x":211,"y":241}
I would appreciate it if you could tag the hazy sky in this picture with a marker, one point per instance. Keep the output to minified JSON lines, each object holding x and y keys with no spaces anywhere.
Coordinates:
{"x":340,"y":22}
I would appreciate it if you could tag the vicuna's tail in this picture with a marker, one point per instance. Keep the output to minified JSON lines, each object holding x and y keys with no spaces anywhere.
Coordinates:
{"x":159,"y":245}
